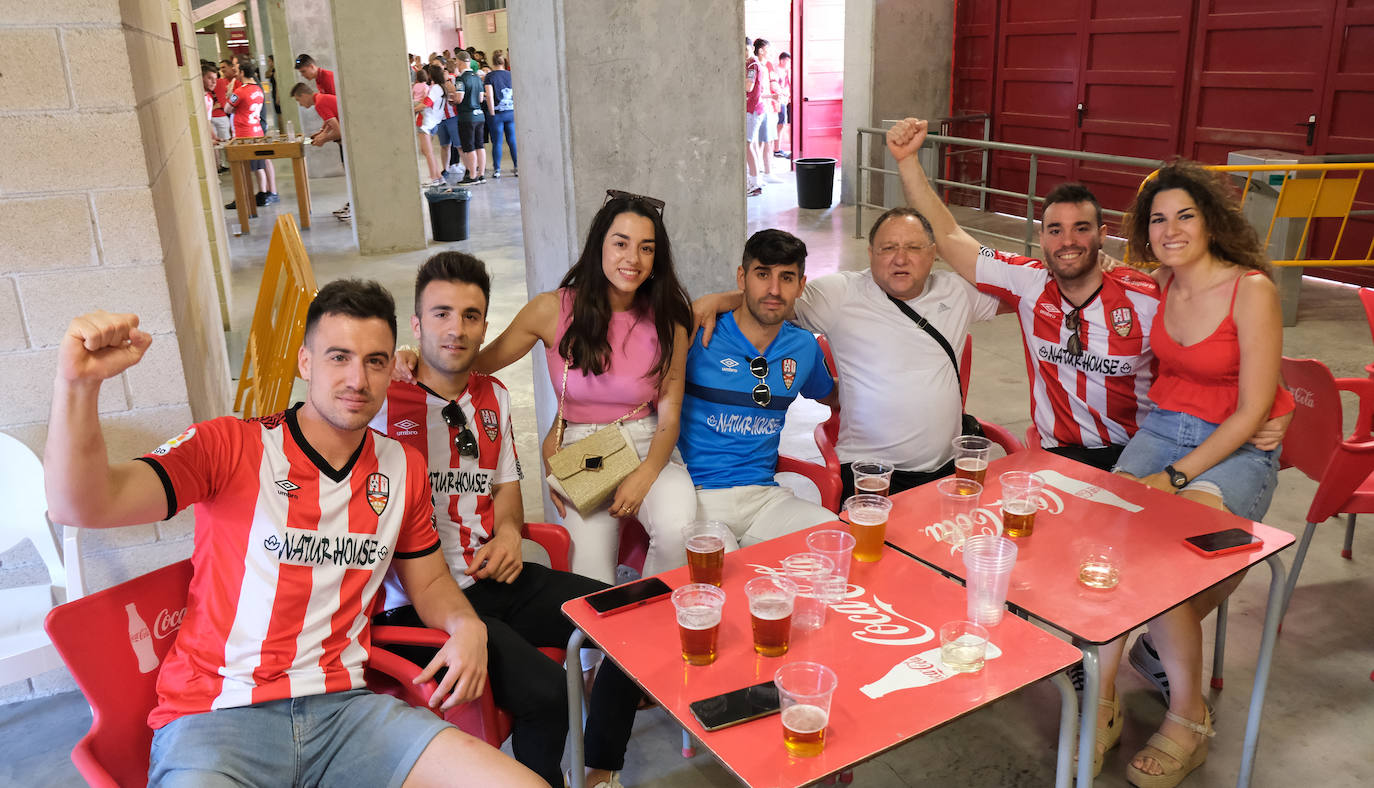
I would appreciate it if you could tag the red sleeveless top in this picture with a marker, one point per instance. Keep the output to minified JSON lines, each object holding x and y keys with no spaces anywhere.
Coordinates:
{"x":1203,"y":379}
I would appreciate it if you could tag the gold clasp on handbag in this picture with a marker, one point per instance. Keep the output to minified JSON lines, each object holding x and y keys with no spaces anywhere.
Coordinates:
{"x":591,"y":462}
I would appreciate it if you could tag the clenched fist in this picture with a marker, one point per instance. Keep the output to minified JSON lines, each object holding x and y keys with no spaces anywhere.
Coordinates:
{"x":905,"y":138}
{"x":100,"y":345}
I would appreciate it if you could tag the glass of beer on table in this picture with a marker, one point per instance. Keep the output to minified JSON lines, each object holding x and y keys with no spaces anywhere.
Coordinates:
{"x":971,"y":457}
{"x":770,"y":613}
{"x":868,"y":524}
{"x":872,"y":477}
{"x":805,"y":690}
{"x":706,"y":542}
{"x":1020,"y":497}
{"x":698,"y":607}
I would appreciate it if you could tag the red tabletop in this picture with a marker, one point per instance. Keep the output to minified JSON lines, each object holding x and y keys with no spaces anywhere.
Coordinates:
{"x":1080,"y":505}
{"x":888,"y":622}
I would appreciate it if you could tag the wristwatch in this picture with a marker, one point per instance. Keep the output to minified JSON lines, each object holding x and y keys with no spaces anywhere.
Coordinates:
{"x":1176,"y":477}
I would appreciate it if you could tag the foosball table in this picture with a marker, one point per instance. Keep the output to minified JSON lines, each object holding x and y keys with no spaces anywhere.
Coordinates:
{"x":241,"y":152}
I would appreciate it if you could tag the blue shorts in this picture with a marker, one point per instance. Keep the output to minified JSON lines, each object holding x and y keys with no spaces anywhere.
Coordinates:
{"x":341,"y":738}
{"x":447,"y":131}
{"x":1246,"y":479}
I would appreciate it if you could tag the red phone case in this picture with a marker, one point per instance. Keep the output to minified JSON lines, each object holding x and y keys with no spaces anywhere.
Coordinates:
{"x":1240,"y":548}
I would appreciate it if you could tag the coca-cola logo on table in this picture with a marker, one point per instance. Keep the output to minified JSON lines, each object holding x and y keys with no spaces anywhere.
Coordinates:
{"x":879,"y":622}
{"x":986,"y":519}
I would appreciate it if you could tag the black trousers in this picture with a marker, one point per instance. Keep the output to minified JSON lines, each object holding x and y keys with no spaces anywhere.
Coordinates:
{"x":901,"y":480}
{"x":521,"y":617}
{"x":1104,"y":457}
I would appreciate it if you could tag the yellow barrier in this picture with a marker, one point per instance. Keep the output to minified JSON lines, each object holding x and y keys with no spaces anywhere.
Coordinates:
{"x":278,"y":327}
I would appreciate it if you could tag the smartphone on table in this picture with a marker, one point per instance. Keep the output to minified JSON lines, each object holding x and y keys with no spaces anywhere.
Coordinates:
{"x":732,"y":708}
{"x":630,"y":595}
{"x":1216,"y":543}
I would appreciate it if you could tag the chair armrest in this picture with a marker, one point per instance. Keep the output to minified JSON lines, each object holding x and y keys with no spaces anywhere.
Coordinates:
{"x":555,"y":541}
{"x":1364,"y":389}
{"x":386,"y":634}
{"x":1001,"y":436}
{"x":403,"y":672}
{"x":826,"y":481}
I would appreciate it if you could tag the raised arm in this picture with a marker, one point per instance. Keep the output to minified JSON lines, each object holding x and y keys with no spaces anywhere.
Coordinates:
{"x":956,"y":246}
{"x":83,"y":488}
{"x":537,"y":321}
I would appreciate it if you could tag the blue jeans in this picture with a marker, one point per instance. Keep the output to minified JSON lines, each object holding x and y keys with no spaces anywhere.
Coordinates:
{"x":502,"y":124}
{"x":1246,"y":478}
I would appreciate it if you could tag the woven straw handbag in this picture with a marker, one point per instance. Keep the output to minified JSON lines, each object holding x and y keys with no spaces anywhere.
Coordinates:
{"x":588,"y":472}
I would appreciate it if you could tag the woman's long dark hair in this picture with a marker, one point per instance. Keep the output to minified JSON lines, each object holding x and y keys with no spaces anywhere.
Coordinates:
{"x":586,"y":343}
{"x":1230,"y":238}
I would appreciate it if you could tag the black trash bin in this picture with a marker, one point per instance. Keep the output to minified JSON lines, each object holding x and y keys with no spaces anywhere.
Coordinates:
{"x":815,"y":182}
{"x":448,"y":213}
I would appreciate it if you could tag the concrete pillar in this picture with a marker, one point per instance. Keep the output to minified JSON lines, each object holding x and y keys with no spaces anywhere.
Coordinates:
{"x":310,"y":29}
{"x":897,"y":63}
{"x":379,"y":143}
{"x":613,"y":95}
{"x":279,"y":47}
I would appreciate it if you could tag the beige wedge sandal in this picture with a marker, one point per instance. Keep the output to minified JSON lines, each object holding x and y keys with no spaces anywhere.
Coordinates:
{"x":1108,"y":736}
{"x":1160,"y":745}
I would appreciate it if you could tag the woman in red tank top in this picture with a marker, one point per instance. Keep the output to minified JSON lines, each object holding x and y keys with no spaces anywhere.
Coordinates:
{"x":1217,"y":337}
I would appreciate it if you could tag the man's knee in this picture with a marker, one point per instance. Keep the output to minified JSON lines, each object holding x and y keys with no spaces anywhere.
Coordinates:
{"x":453,"y":752}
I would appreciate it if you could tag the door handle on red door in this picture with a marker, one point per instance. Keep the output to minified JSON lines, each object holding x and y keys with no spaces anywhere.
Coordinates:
{"x":1311,"y":124}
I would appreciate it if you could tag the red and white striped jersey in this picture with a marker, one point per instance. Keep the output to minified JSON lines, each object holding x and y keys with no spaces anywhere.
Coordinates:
{"x":289,"y":555}
{"x":1100,"y":396}
{"x":413,"y":415}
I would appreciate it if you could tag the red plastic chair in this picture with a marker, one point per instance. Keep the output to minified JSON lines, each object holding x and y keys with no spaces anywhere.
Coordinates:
{"x":1341,"y":466}
{"x":1367,"y":299}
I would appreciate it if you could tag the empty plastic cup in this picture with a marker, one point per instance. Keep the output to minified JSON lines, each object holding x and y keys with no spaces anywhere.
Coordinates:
{"x":959,"y":499}
{"x":834,"y":544}
{"x":988,"y":561}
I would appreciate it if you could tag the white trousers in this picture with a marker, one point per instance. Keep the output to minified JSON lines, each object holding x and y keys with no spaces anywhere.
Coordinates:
{"x":757,"y":513}
{"x":667,"y":508}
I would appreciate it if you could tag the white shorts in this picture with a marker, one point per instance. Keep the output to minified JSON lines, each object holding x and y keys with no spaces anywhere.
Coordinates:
{"x":224,"y":129}
{"x":760,"y":127}
{"x":757,"y":512}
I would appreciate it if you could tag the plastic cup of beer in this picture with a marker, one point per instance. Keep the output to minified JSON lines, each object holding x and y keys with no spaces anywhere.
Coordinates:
{"x":963,"y":646}
{"x":988,"y":561}
{"x":872,"y":477}
{"x":770,"y":613}
{"x":698,"y":607}
{"x":959,"y":499}
{"x":834,"y":544}
{"x":1020,"y":497}
{"x":971,"y":454}
{"x":804,"y":691}
{"x":1099,"y":566}
{"x":868,"y":524}
{"x":706,"y":541}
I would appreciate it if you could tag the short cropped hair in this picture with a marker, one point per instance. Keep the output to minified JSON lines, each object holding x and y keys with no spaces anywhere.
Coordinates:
{"x":775,"y":247}
{"x":352,"y":298}
{"x":1073,"y":194}
{"x":453,"y":267}
{"x":301,"y":89}
{"x":304,"y":60}
{"x":463,"y":56}
{"x":208,"y":68}
{"x":759,"y":43}
{"x":900,"y":211}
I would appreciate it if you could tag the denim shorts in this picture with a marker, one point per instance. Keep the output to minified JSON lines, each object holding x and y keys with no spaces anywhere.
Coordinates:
{"x":1246,"y":479}
{"x":340,"y":738}
{"x":447,"y":131}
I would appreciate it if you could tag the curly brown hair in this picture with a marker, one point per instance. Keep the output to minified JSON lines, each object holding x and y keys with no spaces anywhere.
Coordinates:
{"x":1230,"y":237}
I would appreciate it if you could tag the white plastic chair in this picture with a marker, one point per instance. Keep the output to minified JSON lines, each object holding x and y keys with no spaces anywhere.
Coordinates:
{"x":25,"y":649}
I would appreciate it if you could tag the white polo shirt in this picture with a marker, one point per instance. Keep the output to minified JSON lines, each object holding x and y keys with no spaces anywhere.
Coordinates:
{"x":898,"y":391}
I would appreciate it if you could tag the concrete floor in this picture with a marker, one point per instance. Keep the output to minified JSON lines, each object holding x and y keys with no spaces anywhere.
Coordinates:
{"x":1321,"y":671}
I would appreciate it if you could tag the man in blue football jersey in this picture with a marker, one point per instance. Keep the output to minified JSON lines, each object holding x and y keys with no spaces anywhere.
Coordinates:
{"x":738,"y":392}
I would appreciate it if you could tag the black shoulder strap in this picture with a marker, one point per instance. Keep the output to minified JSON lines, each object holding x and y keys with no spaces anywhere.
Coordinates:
{"x":935,"y":334}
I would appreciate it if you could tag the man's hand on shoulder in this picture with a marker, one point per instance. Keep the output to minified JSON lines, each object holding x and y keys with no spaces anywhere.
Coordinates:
{"x":706,"y":308}
{"x":100,"y":345}
{"x":905,"y":138}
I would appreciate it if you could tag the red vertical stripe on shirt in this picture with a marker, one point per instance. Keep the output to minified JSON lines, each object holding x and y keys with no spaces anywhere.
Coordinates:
{"x":362,"y":519}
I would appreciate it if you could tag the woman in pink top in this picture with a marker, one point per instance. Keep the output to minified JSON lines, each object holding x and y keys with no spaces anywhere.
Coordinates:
{"x":619,"y":319}
{"x":1217,"y":338}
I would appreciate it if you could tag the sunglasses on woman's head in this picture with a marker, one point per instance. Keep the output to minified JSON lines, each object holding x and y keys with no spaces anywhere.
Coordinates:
{"x":464,"y":441}
{"x":616,"y":194}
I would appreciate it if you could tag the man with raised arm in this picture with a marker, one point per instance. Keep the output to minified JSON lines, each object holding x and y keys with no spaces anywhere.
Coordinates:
{"x":298,"y":517}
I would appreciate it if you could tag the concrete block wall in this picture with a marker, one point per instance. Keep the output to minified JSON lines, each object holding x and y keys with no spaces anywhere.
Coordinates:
{"x":114,"y":222}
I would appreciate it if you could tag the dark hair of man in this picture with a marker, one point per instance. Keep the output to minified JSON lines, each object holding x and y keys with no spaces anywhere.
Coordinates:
{"x":759,"y":43}
{"x":453,"y":267}
{"x":304,"y":60}
{"x":1073,"y":194}
{"x":225,"y":63}
{"x":775,"y":247}
{"x":1230,"y":238}
{"x":891,"y":213}
{"x":436,"y":74}
{"x":208,"y":68}
{"x":784,"y":56}
{"x":470,"y":50}
{"x":301,"y":89}
{"x":352,"y":298}
{"x":248,"y":70}
{"x":585,"y":342}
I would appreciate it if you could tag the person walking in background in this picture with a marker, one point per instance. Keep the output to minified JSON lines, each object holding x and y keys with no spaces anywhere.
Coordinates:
{"x":471,"y":120}
{"x":500,"y":97}
{"x":782,"y":80}
{"x":427,"y":99}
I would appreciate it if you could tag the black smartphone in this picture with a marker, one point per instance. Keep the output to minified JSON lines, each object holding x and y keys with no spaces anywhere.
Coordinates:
{"x":735,"y":707}
{"x":640,"y":592}
{"x":1231,"y":540}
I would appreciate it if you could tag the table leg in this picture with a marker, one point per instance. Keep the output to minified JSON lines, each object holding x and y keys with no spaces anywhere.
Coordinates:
{"x":577,"y":758}
{"x":1273,"y":613}
{"x":1219,"y":649}
{"x":242,"y":200}
{"x":1068,"y":713}
{"x":302,"y":191}
{"x":1087,"y":729}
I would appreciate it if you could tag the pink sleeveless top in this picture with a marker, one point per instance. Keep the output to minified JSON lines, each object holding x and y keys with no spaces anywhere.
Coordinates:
{"x":627,"y":381}
{"x":1203,"y":379}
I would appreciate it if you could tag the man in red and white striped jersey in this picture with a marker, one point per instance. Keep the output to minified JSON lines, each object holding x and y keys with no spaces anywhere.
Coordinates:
{"x":1086,"y":330}
{"x":298,"y":518}
{"x":461,"y":421}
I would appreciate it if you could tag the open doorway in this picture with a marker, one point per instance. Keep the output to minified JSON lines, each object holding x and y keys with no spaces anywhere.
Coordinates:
{"x":811,"y":35}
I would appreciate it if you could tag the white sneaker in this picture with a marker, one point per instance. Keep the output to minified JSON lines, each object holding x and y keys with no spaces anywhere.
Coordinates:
{"x":347,"y":209}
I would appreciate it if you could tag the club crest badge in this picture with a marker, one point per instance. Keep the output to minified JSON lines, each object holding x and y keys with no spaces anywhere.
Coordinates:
{"x":378,"y":492}
{"x":488,"y":417}
{"x":1122,"y":321}
{"x":789,"y":372}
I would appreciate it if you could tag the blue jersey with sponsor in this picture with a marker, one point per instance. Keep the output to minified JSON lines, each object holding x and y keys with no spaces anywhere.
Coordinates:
{"x":728,"y":438}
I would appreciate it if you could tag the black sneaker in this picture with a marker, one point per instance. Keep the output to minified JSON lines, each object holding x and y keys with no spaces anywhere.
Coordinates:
{"x":260,"y":198}
{"x":222,"y":170}
{"x":466,"y":181}
{"x":230,"y":206}
{"x":480,"y":179}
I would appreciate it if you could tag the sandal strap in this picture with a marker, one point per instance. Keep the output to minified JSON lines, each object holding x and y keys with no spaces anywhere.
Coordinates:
{"x":1163,"y":744}
{"x":1203,"y":728}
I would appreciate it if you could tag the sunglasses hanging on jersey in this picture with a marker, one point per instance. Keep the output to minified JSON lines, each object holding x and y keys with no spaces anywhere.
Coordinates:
{"x":464,"y":441}
{"x":758,"y":367}
{"x":1073,"y":321}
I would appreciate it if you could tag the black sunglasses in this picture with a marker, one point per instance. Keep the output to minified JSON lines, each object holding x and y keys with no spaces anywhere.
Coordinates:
{"x":758,"y":367}
{"x":465,"y":441}
{"x":616,"y":194}
{"x":1072,"y":321}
